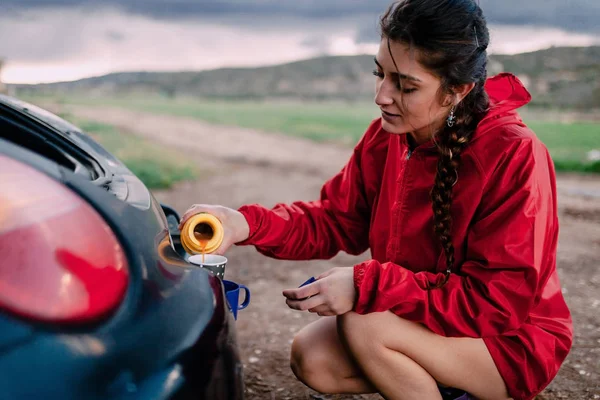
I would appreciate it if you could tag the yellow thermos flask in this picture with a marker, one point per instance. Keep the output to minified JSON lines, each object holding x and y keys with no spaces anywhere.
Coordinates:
{"x":202,"y":233}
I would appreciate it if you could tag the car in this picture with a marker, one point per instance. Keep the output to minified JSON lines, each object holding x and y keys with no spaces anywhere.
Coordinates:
{"x":97,"y":297}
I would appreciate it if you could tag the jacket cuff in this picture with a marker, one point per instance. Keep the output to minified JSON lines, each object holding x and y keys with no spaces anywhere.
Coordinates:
{"x":364,"y":293}
{"x":254,"y":215}
{"x":359,"y":275}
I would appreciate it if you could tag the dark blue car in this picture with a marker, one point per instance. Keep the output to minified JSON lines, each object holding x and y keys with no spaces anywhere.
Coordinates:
{"x":97,"y":300}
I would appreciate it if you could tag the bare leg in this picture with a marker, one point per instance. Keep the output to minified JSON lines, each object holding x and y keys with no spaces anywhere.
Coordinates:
{"x":321,"y":362}
{"x":381,"y":344}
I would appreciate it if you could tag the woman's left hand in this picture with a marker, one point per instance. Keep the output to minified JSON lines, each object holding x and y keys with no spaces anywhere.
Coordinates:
{"x":333,"y":293}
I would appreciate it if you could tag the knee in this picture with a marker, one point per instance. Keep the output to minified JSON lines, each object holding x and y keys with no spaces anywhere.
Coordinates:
{"x":311,"y":366}
{"x":297,"y":363}
{"x":365,"y":337}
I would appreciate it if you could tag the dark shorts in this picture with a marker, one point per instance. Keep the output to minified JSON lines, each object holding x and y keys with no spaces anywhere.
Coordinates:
{"x":454,"y":394}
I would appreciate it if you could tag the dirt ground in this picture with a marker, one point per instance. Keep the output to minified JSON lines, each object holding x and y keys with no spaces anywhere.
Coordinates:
{"x":244,"y":166}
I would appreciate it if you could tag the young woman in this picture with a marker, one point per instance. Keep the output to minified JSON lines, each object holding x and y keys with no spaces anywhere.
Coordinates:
{"x":455,"y":197}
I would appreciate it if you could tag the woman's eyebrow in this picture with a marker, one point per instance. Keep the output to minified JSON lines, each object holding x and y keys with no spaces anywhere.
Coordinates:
{"x":401,"y":76}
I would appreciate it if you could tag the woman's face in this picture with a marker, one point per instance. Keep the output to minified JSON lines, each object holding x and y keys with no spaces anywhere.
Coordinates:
{"x":406,"y":93}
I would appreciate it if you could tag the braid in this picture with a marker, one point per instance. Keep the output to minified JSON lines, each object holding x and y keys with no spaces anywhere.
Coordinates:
{"x":441,"y":194}
{"x":451,"y":142}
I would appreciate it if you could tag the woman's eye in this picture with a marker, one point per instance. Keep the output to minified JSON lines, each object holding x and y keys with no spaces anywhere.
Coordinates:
{"x":405,"y":90}
{"x":381,"y":75}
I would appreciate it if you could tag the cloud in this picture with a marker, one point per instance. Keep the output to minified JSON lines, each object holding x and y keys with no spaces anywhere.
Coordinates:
{"x":368,"y":33}
{"x":319,"y":43}
{"x":114,"y":36}
{"x":510,"y":39}
{"x":43,"y":44}
{"x":572,"y":15}
{"x":70,"y":44}
{"x":210,"y":8}
{"x":33,"y":37}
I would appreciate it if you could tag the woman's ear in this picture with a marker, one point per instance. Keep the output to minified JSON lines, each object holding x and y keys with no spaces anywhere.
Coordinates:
{"x":462,"y":91}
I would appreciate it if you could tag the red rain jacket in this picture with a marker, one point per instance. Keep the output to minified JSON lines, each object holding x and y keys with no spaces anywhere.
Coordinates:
{"x":504,"y":289}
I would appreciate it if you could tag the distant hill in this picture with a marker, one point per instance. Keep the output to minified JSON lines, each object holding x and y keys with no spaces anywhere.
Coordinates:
{"x":557,"y":77}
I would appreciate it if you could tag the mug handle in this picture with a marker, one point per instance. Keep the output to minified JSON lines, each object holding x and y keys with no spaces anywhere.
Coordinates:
{"x":246,"y":298}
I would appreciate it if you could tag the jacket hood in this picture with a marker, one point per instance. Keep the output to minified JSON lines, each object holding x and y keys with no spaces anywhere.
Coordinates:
{"x":507,"y":93}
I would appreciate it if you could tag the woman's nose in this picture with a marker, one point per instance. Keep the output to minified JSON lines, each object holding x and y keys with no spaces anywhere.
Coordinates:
{"x":383,"y":94}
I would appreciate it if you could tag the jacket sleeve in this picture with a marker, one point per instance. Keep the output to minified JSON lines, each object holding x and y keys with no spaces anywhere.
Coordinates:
{"x":339,"y":220}
{"x":511,"y":242}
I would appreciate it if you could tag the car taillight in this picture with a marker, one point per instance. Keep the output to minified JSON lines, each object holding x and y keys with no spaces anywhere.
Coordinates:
{"x":59,"y":260}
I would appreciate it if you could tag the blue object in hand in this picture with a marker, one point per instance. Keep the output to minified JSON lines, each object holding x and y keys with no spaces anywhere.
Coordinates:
{"x":308,"y":282}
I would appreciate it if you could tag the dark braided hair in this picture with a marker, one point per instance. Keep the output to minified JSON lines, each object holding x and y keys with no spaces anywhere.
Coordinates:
{"x":450,"y":38}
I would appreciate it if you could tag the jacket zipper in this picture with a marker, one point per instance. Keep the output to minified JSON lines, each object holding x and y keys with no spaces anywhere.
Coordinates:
{"x":397,"y":214}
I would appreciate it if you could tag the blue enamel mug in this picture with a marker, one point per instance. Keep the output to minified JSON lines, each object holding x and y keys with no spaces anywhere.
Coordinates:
{"x":232,"y":292}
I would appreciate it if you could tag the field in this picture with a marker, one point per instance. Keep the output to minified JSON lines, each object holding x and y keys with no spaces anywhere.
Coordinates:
{"x":569,"y":143}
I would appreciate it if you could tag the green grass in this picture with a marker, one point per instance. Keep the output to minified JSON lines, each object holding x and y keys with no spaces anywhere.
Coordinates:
{"x":576,"y":166}
{"x":156,"y":167}
{"x":568,"y":143}
{"x":328,"y":121}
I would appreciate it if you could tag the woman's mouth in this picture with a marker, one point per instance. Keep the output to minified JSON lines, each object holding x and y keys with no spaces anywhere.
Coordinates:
{"x":389,"y":117}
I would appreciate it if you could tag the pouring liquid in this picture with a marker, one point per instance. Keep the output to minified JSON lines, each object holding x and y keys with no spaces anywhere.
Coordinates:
{"x":203,"y":233}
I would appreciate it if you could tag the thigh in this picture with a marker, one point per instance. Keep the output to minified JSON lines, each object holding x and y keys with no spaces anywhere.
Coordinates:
{"x":463,"y":363}
{"x":318,"y":345}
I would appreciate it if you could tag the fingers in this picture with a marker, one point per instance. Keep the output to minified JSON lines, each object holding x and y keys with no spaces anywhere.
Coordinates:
{"x":326,"y":273}
{"x":188,"y":214}
{"x":323,"y":311}
{"x":326,"y":314}
{"x":223,"y":248}
{"x":319,"y":309}
{"x":303,"y":292}
{"x":193,"y":210}
{"x":307,"y":304}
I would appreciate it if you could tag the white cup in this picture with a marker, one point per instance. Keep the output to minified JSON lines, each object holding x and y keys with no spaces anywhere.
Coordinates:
{"x":212,"y":262}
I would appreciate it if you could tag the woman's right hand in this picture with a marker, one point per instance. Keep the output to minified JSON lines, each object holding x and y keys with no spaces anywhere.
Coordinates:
{"x":236,"y":228}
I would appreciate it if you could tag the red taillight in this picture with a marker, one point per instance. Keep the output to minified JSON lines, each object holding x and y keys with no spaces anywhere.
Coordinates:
{"x":59,"y":260}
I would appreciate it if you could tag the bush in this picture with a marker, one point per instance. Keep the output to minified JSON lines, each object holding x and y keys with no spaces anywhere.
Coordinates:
{"x":158,"y":174}
{"x":577,"y":166}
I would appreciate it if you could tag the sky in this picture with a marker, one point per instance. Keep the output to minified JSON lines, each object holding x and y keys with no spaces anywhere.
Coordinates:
{"x":58,"y":40}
